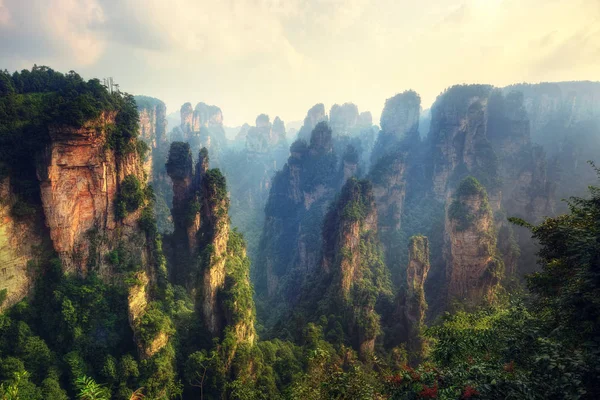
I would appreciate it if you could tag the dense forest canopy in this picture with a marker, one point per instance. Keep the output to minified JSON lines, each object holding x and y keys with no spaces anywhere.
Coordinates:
{"x":382,"y":262}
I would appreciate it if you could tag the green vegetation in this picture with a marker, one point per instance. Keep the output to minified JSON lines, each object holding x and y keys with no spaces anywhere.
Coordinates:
{"x":31,"y":101}
{"x":460,"y":211}
{"x":131,"y":196}
{"x":179,"y":163}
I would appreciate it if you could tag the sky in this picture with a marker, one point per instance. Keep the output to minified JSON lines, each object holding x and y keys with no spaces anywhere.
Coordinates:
{"x":280,"y":57}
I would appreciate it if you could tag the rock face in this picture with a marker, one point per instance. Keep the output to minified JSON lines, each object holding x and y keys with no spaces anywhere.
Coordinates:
{"x":352,"y":257}
{"x":343,"y":119}
{"x":18,"y":240}
{"x":202,"y":246}
{"x":153,"y":132}
{"x":153,"y":128}
{"x":265,"y":137}
{"x":473,"y":268}
{"x":458,"y":131}
{"x":399,"y":124}
{"x":297,"y":203}
{"x":398,"y":137}
{"x":79,"y":181}
{"x":416,"y":306}
{"x":202,"y":127}
{"x":249,"y":173}
{"x":565,"y":120}
{"x":315,"y":115}
{"x":187,"y":115}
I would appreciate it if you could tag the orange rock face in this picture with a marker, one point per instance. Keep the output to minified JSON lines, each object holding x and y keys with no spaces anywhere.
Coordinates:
{"x":17,"y":242}
{"x":79,"y":179}
{"x":472,"y":266}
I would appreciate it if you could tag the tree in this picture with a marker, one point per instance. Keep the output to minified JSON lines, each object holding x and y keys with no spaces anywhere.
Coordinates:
{"x":88,"y":389}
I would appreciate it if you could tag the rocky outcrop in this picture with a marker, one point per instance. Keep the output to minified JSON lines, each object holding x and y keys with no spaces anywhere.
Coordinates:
{"x":343,"y":119}
{"x":297,"y":203}
{"x":352,"y":267}
{"x":458,"y":133}
{"x":315,"y":115}
{"x":398,"y":137}
{"x":265,"y":137}
{"x":153,"y":129}
{"x":187,"y":115}
{"x":415,"y":305}
{"x":399,"y":124}
{"x":153,"y":132}
{"x":80,"y":179}
{"x":472,"y":265}
{"x":201,"y":245}
{"x":202,"y":127}
{"x":19,"y":237}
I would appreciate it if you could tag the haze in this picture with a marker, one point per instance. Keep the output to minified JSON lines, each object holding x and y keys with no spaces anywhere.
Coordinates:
{"x":281,"y":57}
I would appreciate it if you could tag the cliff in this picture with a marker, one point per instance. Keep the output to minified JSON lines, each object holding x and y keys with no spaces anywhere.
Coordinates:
{"x":208,"y":258}
{"x":315,"y":115}
{"x":399,"y":124}
{"x":399,"y":136}
{"x":297,"y":203}
{"x":343,"y":119}
{"x":458,"y":137}
{"x":153,"y":132}
{"x":352,"y":278}
{"x":80,"y":180}
{"x":19,"y":238}
{"x":472,"y":265}
{"x":249,"y":173}
{"x":415,"y":304}
{"x":202,"y":127}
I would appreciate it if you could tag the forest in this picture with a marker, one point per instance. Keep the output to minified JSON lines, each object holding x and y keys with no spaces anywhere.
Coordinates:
{"x":435,"y":254}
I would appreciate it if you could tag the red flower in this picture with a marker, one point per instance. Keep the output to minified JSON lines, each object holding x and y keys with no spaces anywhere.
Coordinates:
{"x":510,"y":367}
{"x":395,"y":380}
{"x":469,"y":392}
{"x":415,"y":376}
{"x":429,"y":392}
{"x":470,"y":360}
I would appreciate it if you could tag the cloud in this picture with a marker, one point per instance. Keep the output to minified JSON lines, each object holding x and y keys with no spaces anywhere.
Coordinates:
{"x":42,"y":30}
{"x":283,"y":56}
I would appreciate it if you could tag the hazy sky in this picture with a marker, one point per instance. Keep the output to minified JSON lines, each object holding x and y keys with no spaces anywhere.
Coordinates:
{"x":282,"y":56}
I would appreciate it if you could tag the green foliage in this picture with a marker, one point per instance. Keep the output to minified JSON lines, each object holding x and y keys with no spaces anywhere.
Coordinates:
{"x":3,"y":295}
{"x":131,"y":196}
{"x":179,"y":162}
{"x":460,"y":211}
{"x":153,"y":322}
{"x":88,"y":389}
{"x":470,"y":187}
{"x":33,"y":100}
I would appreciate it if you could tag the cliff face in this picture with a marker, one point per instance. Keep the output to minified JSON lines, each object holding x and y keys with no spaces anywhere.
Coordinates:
{"x":201,"y":245}
{"x":202,"y":127}
{"x":472,"y":266}
{"x":398,"y":137}
{"x":249,"y":172}
{"x":153,"y":129}
{"x":153,"y":132}
{"x":315,"y":115}
{"x":79,"y":180}
{"x":343,"y":119}
{"x":458,"y":132}
{"x":415,"y":305}
{"x":399,"y":124}
{"x":352,"y":267}
{"x":297,"y":203}
{"x":18,"y":240}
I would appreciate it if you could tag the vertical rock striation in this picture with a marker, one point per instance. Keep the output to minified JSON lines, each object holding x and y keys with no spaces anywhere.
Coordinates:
{"x":353,"y":277}
{"x":473,"y":269}
{"x":416,"y":306}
